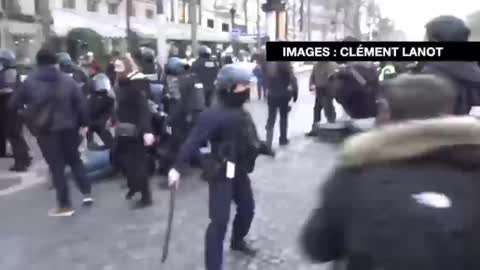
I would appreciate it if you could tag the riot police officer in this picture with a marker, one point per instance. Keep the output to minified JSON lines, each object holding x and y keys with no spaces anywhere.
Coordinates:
{"x":206,"y":69}
{"x":235,"y":146}
{"x":11,"y":124}
{"x":145,"y":58}
{"x":282,"y":87}
{"x":186,"y":102}
{"x":69,"y":67}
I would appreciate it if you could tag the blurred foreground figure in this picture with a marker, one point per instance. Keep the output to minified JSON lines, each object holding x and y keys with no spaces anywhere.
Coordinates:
{"x":465,"y":76}
{"x":405,"y":195}
{"x":55,"y":111}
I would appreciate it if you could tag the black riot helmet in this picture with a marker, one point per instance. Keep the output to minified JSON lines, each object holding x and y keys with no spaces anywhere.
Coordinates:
{"x":204,"y":51}
{"x":7,"y":59}
{"x":145,"y":58}
{"x":64,"y":59}
{"x":232,"y":74}
{"x":176,"y":66}
{"x":447,"y":28}
{"x":228,"y":80}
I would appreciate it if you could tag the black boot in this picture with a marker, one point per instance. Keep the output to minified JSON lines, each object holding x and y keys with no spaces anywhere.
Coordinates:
{"x":284,"y":142}
{"x":130,"y":194}
{"x":243,"y":247}
{"x":145,"y":201}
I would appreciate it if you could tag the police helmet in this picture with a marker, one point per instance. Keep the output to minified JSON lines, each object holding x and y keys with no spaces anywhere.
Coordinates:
{"x":7,"y":58}
{"x":176,"y":66}
{"x":64,"y":59}
{"x":204,"y":51}
{"x":232,"y":74}
{"x":101,"y":82}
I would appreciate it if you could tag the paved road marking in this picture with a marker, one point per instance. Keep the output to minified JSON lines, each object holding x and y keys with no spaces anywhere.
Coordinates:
{"x":28,"y":179}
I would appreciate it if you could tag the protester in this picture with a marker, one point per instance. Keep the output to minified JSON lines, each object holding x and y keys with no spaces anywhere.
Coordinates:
{"x":404,"y":195}
{"x":322,"y":88}
{"x":55,"y":111}
{"x":133,"y":131}
{"x":465,"y":76}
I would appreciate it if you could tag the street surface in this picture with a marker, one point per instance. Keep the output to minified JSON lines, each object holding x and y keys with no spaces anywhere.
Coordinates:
{"x":111,"y":236}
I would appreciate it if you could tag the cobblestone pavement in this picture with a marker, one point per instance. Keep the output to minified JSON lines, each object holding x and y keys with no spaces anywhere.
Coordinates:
{"x":111,"y":236}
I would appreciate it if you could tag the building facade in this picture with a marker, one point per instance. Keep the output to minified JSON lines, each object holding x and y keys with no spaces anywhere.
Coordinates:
{"x":20,"y":28}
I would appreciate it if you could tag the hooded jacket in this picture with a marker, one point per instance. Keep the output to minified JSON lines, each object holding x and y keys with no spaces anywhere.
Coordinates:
{"x":404,"y":196}
{"x":70,"y":110}
{"x":464,"y":76}
{"x":132,"y":102}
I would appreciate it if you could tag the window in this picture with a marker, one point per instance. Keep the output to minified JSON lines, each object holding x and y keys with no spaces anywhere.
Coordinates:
{"x":225,"y":27}
{"x":92,"y":5}
{"x":210,"y":23}
{"x":69,"y":4}
{"x":182,"y":11}
{"x":149,"y":13}
{"x":113,"y":8}
{"x":133,"y":12}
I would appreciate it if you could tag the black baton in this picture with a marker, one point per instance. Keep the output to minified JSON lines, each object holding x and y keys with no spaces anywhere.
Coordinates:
{"x":168,"y":233}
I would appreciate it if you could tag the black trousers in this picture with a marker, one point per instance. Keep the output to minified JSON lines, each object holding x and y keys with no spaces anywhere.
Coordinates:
{"x":60,"y":148}
{"x":11,"y":129}
{"x":221,"y":193}
{"x":278,"y":105}
{"x":324,"y":100}
{"x":3,"y":124}
{"x":208,"y":97}
{"x":131,"y":159}
{"x":103,"y":133}
{"x":262,"y":91}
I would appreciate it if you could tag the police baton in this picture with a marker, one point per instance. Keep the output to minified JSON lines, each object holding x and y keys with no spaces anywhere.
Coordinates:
{"x":168,"y":233}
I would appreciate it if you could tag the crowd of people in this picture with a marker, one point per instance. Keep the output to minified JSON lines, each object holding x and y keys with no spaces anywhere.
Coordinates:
{"x":402,"y":197}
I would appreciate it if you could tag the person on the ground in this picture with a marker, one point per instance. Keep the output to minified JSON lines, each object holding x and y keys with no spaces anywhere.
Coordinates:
{"x":235,"y":145}
{"x":465,"y":76}
{"x":133,"y":131}
{"x":404,"y":195}
{"x":55,"y":112}
{"x":320,"y":85}
{"x":282,"y":88}
{"x":100,"y":106}
{"x":206,"y":70}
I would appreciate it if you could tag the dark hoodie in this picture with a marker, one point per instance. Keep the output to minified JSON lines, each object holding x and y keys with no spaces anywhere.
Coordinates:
{"x":465,"y":77}
{"x":404,"y":196}
{"x":71,"y":109}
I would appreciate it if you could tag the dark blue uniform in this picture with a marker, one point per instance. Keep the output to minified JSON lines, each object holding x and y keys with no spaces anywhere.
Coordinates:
{"x":230,"y":131}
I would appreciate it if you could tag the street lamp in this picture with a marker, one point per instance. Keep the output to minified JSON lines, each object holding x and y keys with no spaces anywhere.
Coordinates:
{"x":233,"y":11}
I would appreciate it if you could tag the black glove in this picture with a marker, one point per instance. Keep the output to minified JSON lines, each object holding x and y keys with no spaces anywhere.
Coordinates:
{"x":295,"y":96}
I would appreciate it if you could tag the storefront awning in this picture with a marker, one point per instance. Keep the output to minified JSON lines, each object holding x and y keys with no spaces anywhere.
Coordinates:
{"x":66,"y":21}
{"x":23,"y":28}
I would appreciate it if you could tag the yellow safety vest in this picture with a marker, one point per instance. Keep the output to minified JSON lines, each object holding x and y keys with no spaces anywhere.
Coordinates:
{"x":386,"y":71}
